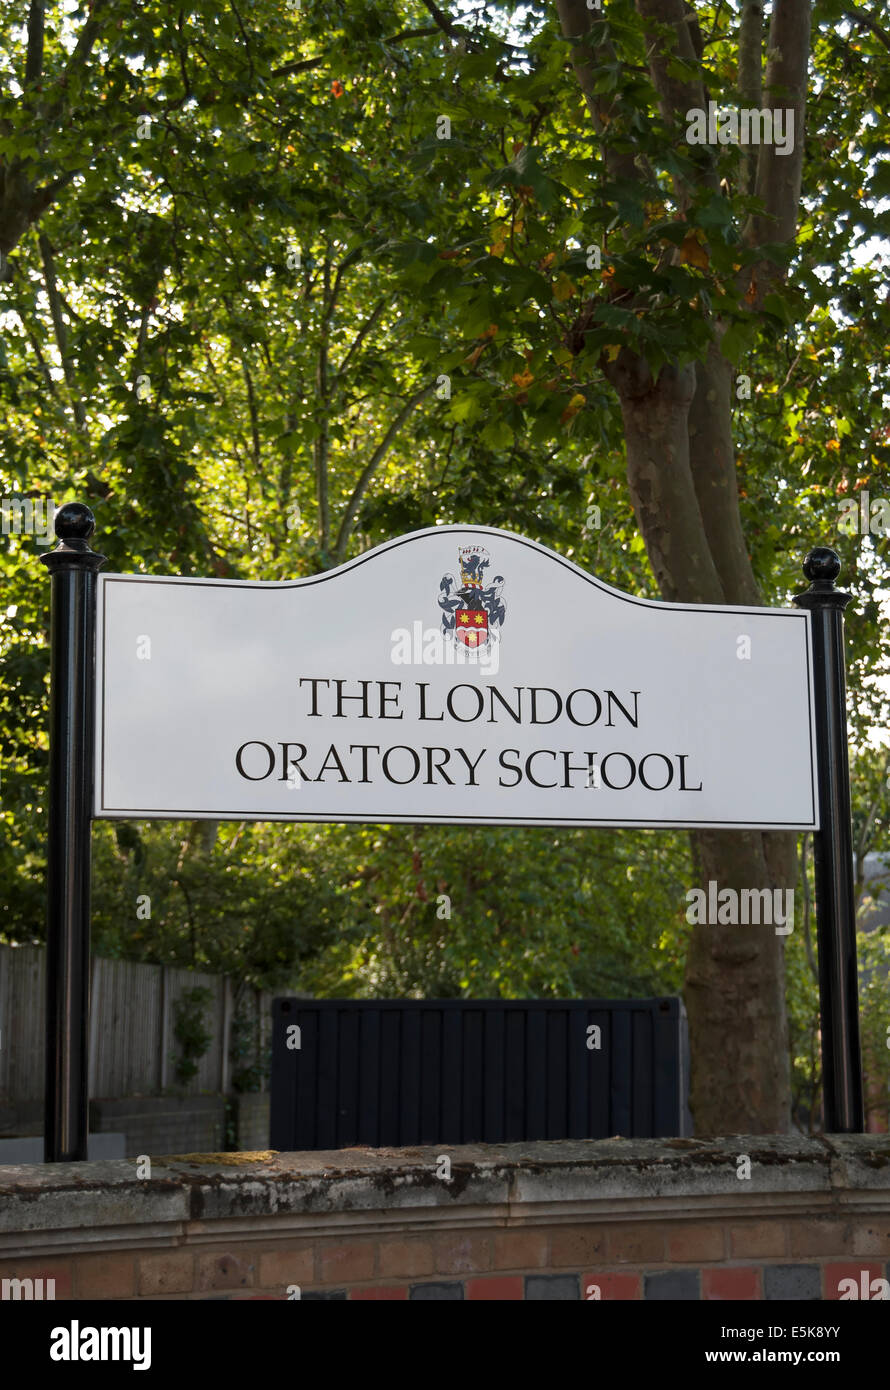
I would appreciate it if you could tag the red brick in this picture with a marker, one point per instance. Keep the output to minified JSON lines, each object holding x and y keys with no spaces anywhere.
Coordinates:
{"x":388,"y":1292}
{"x":612,"y":1286}
{"x":756,"y":1239}
{"x":279,"y":1268}
{"x":105,"y":1276}
{"x":832,"y":1274}
{"x":346,"y":1264}
{"x":501,"y":1287}
{"x":36,"y":1269}
{"x":816,"y":1237}
{"x":170,"y":1272}
{"x":872,"y":1239}
{"x":635,"y":1244}
{"x":405,"y":1258}
{"x":521,"y":1249}
{"x":458,"y":1253}
{"x":573,"y":1246}
{"x":691,"y":1244}
{"x":225,"y":1271}
{"x":742,"y":1282}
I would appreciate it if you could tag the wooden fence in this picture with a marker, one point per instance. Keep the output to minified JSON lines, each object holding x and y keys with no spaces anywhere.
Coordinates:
{"x":133,"y":1050}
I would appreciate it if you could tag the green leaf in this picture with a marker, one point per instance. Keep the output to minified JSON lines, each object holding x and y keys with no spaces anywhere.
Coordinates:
{"x":735,"y":342}
{"x":778,"y":305}
{"x":464,"y":407}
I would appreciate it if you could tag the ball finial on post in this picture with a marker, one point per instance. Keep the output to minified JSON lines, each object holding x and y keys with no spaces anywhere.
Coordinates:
{"x":74,"y":525}
{"x":74,"y":522}
{"x":822,"y":567}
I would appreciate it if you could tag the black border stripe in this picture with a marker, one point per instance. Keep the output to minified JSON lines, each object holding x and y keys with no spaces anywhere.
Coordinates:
{"x":121,"y":813}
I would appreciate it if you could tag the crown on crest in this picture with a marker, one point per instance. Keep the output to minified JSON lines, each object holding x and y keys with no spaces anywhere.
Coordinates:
{"x":473,"y":560}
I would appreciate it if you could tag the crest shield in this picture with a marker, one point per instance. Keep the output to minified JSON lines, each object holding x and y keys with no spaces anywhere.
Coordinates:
{"x":471,"y":627}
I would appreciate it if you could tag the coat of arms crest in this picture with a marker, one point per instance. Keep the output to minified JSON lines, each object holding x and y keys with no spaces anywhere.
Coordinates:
{"x":472,"y":610}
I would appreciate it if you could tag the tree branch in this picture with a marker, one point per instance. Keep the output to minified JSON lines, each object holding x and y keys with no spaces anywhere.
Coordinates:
{"x":779,"y":176}
{"x":254,"y":423}
{"x":20,"y":203}
{"x":34,"y":59}
{"x":307,"y":64}
{"x":362,"y":333}
{"x":320,"y":447}
{"x":55,"y":308}
{"x":14,"y":274}
{"x":576,"y":22}
{"x":50,"y":191}
{"x":857,"y":17}
{"x":676,"y":94}
{"x":237,"y":437}
{"x":712,"y":459}
{"x":361,"y":487}
{"x":245,"y":38}
{"x":88,"y":35}
{"x":39,"y":199}
{"x":750,"y":78}
{"x":444,"y":23}
{"x":181,"y":51}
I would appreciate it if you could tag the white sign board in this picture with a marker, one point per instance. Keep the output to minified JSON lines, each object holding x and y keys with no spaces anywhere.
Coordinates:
{"x":459,"y":674}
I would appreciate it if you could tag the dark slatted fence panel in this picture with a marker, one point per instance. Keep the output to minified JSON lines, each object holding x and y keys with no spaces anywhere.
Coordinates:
{"x":397,"y":1072}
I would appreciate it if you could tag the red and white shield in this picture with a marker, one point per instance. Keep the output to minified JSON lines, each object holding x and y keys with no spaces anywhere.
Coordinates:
{"x":471,"y":627}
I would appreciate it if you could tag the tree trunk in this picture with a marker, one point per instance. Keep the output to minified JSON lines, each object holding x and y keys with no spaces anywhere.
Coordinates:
{"x":681,"y":471}
{"x":682,"y":476}
{"x":712,"y":460}
{"x":735,"y":999}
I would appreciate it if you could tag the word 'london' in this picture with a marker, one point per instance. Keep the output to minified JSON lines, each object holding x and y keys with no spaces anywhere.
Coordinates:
{"x":257,"y":759}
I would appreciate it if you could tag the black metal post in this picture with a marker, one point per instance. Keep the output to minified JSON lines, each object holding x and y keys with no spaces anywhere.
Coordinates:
{"x":73,"y":566}
{"x":835,"y":898}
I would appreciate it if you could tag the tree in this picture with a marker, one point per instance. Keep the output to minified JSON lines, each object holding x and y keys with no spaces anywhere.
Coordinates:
{"x":700,"y":239}
{"x":680,"y":447}
{"x":522,"y":295}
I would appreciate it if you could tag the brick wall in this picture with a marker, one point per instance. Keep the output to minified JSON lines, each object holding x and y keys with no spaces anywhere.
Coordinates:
{"x":441,"y":1269}
{"x":653,"y":1219}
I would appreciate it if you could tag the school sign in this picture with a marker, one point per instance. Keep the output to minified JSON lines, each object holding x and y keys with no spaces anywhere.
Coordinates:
{"x":458,"y":675}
